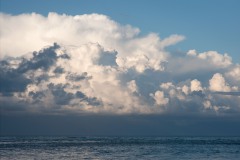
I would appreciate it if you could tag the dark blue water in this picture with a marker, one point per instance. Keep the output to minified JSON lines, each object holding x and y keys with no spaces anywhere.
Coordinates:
{"x":120,"y":148}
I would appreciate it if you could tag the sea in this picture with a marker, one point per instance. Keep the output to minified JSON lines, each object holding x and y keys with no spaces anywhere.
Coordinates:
{"x":107,"y":148}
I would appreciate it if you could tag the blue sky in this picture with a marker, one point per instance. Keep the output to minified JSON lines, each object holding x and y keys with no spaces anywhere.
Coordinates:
{"x":207,"y":25}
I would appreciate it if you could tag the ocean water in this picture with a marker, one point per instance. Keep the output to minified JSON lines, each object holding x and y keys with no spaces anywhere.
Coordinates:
{"x":187,"y":148}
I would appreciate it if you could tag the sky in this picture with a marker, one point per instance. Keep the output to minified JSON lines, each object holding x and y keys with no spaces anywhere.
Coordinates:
{"x":207,"y":25}
{"x":158,"y":68}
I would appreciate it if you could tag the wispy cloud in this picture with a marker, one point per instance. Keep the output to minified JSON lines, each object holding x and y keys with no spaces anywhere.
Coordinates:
{"x":229,"y":93}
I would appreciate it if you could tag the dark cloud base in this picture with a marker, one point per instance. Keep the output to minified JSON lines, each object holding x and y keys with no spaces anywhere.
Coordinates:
{"x":128,"y":125}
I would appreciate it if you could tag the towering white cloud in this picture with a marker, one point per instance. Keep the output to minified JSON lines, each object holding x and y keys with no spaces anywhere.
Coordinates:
{"x":39,"y":31}
{"x":100,"y":66}
{"x":218,"y":83}
{"x":196,"y":85}
{"x":29,"y":32}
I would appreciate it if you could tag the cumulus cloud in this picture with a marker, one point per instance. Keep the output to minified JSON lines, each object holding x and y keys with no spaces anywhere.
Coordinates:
{"x":233,"y":74}
{"x":133,"y":51}
{"x":196,"y":85}
{"x":159,"y":98}
{"x":92,"y":64}
{"x":216,"y":59}
{"x":218,"y":83}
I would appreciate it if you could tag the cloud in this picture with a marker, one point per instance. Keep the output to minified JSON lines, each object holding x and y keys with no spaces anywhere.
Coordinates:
{"x":132,"y":86}
{"x":196,"y":85}
{"x":159,"y":98}
{"x":229,"y":93}
{"x":217,"y":59}
{"x":218,"y":83}
{"x":63,"y":64}
{"x":11,"y":80}
{"x":233,"y":74}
